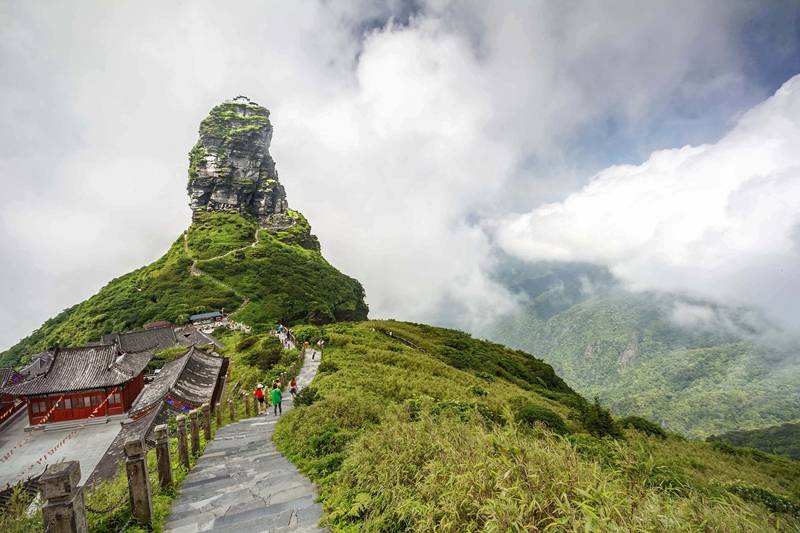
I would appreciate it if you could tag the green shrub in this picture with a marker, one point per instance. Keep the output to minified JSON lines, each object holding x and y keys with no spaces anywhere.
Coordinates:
{"x":644,"y":426}
{"x":462,"y":410}
{"x":328,"y":440}
{"x":246,"y":343}
{"x":490,"y":417}
{"x":531,"y":413}
{"x":306,"y":396}
{"x":328,"y":366}
{"x":268,"y":356}
{"x":772,"y":501}
{"x":165,"y":356}
{"x":309,"y":334}
{"x":597,"y":420}
{"x":602,"y":450}
{"x":478,"y":391}
{"x":14,"y":516}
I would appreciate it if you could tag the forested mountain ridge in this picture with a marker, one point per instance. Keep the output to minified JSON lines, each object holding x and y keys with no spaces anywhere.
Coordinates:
{"x":781,"y":440}
{"x":695,"y":366}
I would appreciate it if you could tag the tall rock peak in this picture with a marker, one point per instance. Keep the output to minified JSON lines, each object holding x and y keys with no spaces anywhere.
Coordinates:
{"x":230,"y":168}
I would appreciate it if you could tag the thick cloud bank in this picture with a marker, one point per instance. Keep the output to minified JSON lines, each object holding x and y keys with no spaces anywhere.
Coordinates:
{"x":721,"y":220}
{"x":399,"y":126}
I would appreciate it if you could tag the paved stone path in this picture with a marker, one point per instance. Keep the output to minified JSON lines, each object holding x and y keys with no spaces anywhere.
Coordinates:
{"x":242,"y":483}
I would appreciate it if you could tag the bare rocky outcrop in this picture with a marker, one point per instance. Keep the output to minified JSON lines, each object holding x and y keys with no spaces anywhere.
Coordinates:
{"x":230,"y":168}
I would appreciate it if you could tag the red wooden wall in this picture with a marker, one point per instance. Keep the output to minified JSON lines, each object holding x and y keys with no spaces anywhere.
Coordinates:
{"x":81,"y":404}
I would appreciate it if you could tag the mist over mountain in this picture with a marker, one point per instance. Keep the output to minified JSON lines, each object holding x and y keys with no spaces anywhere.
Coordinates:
{"x":718,"y":221}
{"x":695,"y":365}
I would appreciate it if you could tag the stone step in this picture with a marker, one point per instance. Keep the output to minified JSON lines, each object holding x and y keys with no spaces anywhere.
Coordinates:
{"x":242,"y":483}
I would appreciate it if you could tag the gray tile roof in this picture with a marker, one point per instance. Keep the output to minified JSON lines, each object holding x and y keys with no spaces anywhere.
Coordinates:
{"x":40,"y":363}
{"x":147,"y":340}
{"x":9,"y":376}
{"x":191,"y":336}
{"x":204,"y":316}
{"x":89,"y":367}
{"x":191,"y":378}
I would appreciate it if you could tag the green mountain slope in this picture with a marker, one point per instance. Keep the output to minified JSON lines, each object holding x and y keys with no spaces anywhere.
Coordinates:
{"x":431,"y":430}
{"x":781,"y":440}
{"x":695,"y":367}
{"x":279,"y":277}
{"x":245,"y":251}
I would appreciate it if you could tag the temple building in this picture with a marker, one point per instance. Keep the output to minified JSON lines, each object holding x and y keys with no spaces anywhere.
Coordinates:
{"x":78,"y":381}
{"x":151,"y":340}
{"x":183,"y":384}
{"x":158,"y":337}
{"x":39,"y":364}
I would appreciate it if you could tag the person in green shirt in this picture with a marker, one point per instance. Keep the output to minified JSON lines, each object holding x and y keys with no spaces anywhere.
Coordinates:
{"x":276,"y":396}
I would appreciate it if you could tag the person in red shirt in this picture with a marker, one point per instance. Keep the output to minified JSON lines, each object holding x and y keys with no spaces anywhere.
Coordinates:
{"x":259,"y":394}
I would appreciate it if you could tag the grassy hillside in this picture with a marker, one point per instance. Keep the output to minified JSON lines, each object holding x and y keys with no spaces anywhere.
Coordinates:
{"x":428,"y":429}
{"x":780,"y":440}
{"x":694,"y":366}
{"x":283,"y":277}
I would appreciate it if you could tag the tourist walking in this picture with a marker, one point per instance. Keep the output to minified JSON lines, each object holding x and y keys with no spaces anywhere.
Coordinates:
{"x":293,"y":388}
{"x":276,"y":396}
{"x":320,"y":345}
{"x":259,"y":394}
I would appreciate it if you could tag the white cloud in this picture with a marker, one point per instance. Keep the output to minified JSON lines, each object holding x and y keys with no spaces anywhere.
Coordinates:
{"x":716,"y":220}
{"x":395,"y":142}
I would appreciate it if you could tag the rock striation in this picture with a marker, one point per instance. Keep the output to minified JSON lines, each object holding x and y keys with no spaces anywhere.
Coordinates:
{"x":230,"y":168}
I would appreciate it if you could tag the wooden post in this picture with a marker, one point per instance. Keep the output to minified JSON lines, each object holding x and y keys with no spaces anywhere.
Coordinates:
{"x":65,"y":510}
{"x":162,"y":456}
{"x":218,"y":413}
{"x":138,"y":480}
{"x":246,"y":405}
{"x":183,"y":446}
{"x":231,"y":411}
{"x":195,"y":431}
{"x":206,"y":410}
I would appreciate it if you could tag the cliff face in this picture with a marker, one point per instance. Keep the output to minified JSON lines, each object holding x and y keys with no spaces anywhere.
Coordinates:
{"x":230,"y":168}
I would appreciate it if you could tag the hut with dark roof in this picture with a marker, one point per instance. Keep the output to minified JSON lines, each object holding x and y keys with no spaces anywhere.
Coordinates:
{"x":78,"y":382}
{"x":39,"y":364}
{"x":206,"y":318}
{"x":183,"y":384}
{"x":143,"y":340}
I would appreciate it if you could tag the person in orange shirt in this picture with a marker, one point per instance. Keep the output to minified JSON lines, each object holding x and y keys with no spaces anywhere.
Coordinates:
{"x":259,"y":394}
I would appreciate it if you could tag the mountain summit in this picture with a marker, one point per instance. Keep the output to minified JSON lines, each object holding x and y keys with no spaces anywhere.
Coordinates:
{"x":245,"y":251}
{"x":230,"y":168}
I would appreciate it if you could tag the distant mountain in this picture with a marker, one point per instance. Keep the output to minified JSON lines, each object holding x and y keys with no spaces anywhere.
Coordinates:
{"x":245,"y":252}
{"x":696,"y":367}
{"x":780,"y":440}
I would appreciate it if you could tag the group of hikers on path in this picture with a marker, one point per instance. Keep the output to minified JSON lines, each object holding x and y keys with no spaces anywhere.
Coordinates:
{"x":275,"y":396}
{"x":276,"y":392}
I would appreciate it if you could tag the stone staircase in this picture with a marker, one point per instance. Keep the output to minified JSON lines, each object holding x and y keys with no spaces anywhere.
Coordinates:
{"x":243,"y":483}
